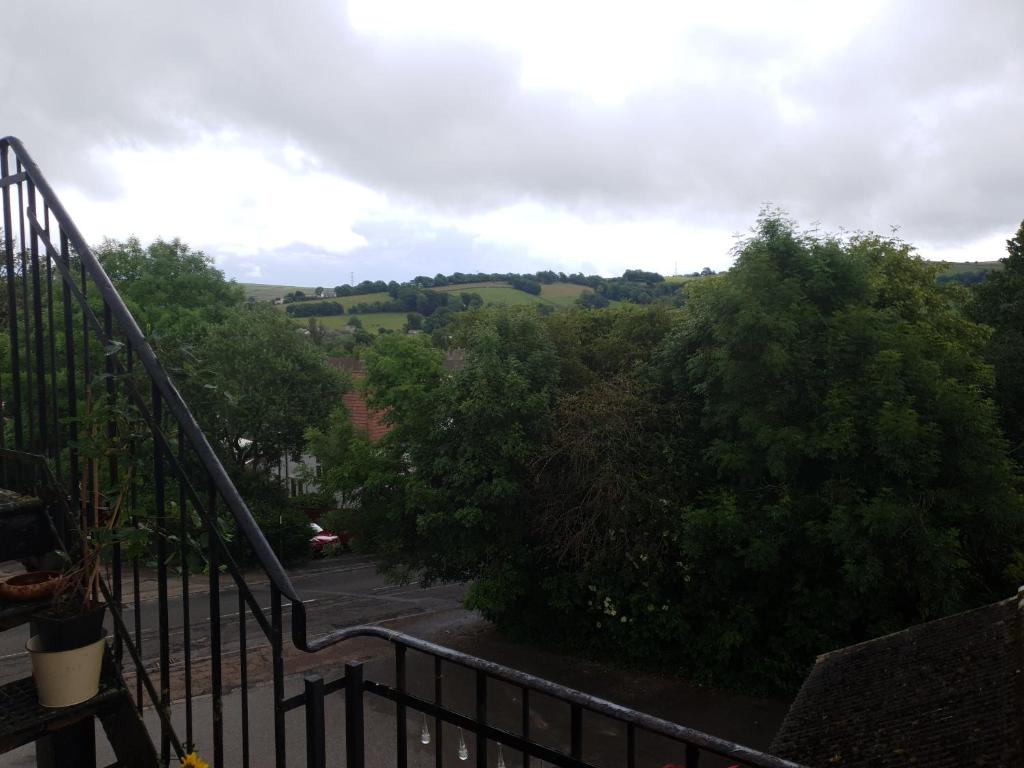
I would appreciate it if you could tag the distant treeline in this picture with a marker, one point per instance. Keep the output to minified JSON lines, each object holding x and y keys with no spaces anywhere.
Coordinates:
{"x":404,"y":298}
{"x":636,"y":286}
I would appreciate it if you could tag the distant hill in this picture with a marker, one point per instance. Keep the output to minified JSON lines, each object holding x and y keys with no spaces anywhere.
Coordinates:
{"x":492,"y":292}
{"x":960,"y":267}
{"x":264,"y":292}
{"x":968,"y":272}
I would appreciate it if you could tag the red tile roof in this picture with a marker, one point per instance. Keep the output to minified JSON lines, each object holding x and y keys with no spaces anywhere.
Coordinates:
{"x":363,"y":417}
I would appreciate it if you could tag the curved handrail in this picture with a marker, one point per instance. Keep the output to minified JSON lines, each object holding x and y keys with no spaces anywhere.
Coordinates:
{"x":600,"y":706}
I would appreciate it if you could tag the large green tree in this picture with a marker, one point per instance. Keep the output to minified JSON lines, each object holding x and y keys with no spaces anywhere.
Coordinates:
{"x":257,"y":383}
{"x":1000,"y":303}
{"x":174,"y":291}
{"x":856,"y":478}
{"x":804,"y":455}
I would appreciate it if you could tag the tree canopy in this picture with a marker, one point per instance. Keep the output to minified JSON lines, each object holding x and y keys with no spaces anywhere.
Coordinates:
{"x":175,"y":292}
{"x":806,"y":454}
{"x":256,"y":384}
{"x":999,"y":302}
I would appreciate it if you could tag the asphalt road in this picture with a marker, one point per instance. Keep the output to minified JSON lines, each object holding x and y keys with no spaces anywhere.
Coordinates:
{"x":338,"y":592}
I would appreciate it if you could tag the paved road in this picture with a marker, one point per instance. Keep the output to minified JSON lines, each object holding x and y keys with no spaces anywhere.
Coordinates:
{"x":347,"y":590}
{"x":339,"y":592}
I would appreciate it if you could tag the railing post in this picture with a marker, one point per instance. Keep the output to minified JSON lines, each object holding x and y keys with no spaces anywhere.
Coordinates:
{"x":481,"y":718}
{"x":69,"y":366}
{"x":316,"y":733}
{"x":37,"y":317}
{"x":692,"y":756}
{"x":215,"y":670}
{"x":12,"y":303}
{"x":277,"y":663}
{"x":401,"y":735}
{"x":576,"y":732}
{"x":161,"y":575}
{"x":438,"y":726}
{"x":526,"y":723}
{"x":354,"y":751}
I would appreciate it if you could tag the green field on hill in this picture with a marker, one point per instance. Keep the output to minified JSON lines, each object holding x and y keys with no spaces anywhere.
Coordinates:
{"x":393,"y":321}
{"x":266,"y":292}
{"x":961,"y":267}
{"x":557,"y":294}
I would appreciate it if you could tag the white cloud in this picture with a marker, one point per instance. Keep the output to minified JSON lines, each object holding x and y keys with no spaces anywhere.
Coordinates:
{"x":225,"y":194}
{"x":580,"y":133}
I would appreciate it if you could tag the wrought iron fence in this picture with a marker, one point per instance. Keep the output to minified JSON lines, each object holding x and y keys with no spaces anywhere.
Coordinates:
{"x":80,"y":374}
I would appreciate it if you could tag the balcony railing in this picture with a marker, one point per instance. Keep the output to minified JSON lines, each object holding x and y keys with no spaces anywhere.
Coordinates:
{"x":80,"y":372}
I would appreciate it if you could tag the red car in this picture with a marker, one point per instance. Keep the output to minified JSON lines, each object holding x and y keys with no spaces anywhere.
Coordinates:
{"x":321,"y":539}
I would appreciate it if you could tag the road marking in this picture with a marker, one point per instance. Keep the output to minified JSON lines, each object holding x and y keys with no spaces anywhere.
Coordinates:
{"x":395,"y":586}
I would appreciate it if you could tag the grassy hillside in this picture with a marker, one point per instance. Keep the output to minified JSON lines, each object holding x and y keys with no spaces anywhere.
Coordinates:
{"x":393,"y":321}
{"x":960,"y":267}
{"x":556,"y":294}
{"x":265,"y":292}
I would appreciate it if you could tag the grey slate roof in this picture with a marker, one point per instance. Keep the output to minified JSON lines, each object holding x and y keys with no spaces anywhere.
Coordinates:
{"x":936,"y":695}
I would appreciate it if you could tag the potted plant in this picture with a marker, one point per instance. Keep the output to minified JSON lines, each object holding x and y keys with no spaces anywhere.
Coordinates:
{"x":69,"y":639}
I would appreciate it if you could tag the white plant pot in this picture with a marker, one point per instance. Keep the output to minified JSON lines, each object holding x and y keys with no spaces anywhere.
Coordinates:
{"x":65,"y":678}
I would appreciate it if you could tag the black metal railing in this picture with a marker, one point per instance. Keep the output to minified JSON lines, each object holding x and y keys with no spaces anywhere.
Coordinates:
{"x":82,"y":387}
{"x":497,"y":726}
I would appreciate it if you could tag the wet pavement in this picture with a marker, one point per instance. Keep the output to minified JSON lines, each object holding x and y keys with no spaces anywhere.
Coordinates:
{"x":350,"y":592}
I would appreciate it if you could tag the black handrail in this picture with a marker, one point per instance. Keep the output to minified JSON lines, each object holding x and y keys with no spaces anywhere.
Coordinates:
{"x":171,"y":397}
{"x":650,"y":723}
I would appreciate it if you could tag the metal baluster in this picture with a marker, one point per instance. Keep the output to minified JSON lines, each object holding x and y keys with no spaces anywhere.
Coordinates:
{"x":277,"y":650}
{"x":54,"y":408}
{"x":526,"y":725}
{"x":37,"y":318}
{"x":243,"y":662}
{"x":481,"y":718}
{"x":215,"y":670}
{"x":185,"y":598}
{"x":12,"y":305}
{"x":72,"y":384}
{"x":108,"y":329}
{"x":25,"y":312}
{"x":576,"y":731}
{"x":161,"y":570}
{"x":87,"y":478}
{"x":692,"y":756}
{"x":354,"y":732}
{"x":438,"y":725}
{"x":136,"y":581}
{"x":401,"y":737}
{"x":316,"y":729}
{"x":630,"y":745}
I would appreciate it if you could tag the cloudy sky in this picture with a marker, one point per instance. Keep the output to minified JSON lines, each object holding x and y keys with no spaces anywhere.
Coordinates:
{"x":306,"y":142}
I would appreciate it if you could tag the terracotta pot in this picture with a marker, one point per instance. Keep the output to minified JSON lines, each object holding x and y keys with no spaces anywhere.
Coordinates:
{"x":25,"y":587}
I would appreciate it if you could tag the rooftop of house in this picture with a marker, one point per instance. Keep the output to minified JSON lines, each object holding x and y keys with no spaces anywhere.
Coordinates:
{"x":942,"y":694}
{"x":363,"y":417}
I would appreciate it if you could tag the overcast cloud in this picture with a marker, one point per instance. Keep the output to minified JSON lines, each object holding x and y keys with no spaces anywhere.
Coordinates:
{"x":302,"y":142}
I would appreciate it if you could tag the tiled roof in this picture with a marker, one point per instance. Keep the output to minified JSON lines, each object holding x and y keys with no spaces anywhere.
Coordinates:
{"x":363,"y":417}
{"x":936,"y":695}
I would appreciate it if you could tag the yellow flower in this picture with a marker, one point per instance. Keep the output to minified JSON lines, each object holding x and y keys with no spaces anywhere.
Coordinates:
{"x":192,"y":760}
